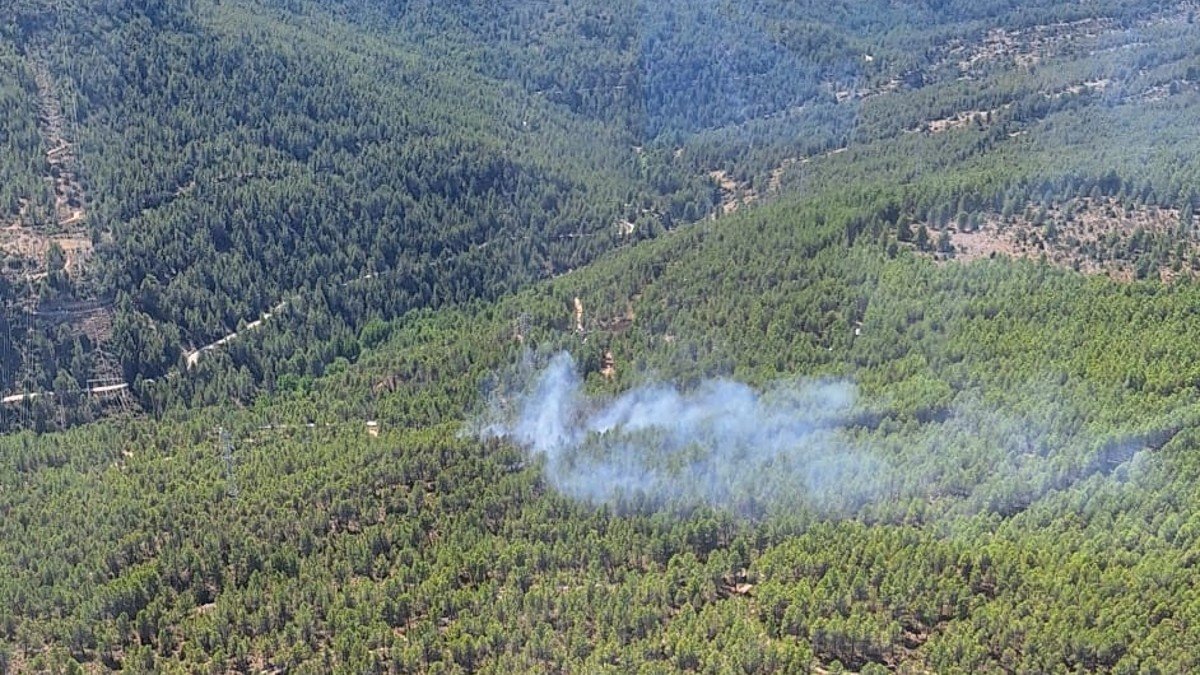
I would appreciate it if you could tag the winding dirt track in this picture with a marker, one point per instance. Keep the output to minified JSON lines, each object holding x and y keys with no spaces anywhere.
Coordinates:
{"x":193,"y":357}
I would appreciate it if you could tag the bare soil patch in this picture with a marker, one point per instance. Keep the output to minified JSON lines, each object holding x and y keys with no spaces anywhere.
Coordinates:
{"x":1023,"y":48}
{"x":29,"y":249}
{"x":962,"y":120}
{"x":25,"y":244}
{"x":1093,"y":236}
{"x":733,"y":194}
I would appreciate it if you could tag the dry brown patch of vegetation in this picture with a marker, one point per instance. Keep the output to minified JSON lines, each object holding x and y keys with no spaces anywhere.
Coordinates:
{"x":28,"y":250}
{"x":1025,"y":47}
{"x":733,"y":193}
{"x":1090,"y":235}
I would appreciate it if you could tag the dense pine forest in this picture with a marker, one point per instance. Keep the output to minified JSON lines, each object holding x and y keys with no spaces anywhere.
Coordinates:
{"x":365,"y":336}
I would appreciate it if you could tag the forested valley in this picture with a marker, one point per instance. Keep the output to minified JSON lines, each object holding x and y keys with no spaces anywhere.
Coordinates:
{"x":363,"y":336}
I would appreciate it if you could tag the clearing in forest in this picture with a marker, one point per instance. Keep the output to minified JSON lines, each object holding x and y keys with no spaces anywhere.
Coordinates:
{"x":28,"y":243}
{"x":1090,"y":235}
{"x":733,"y":193}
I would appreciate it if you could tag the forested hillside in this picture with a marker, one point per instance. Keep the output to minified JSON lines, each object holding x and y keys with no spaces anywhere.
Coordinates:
{"x":235,"y":158}
{"x":581,"y":337}
{"x":330,"y":165}
{"x":1034,"y":427}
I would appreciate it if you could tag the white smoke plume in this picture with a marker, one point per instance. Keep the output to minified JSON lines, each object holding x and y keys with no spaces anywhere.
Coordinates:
{"x":722,"y":444}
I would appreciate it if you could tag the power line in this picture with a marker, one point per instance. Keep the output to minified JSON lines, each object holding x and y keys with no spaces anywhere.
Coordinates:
{"x":225,"y":442}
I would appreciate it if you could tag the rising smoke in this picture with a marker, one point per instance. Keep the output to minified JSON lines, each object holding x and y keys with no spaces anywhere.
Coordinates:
{"x":806,"y":445}
{"x":722,"y":444}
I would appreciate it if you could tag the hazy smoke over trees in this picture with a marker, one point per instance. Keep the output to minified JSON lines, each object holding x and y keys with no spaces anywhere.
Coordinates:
{"x":723,"y":443}
{"x":802,"y":444}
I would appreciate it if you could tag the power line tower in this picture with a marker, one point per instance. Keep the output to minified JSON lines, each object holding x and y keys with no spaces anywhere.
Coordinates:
{"x":12,"y":356}
{"x":525,"y":363}
{"x":225,"y":441}
{"x":24,"y":379}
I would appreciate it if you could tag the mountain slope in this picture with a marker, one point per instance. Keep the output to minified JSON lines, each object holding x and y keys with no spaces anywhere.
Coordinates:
{"x":235,"y":156}
{"x":896,"y":454}
{"x":412,"y":548}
